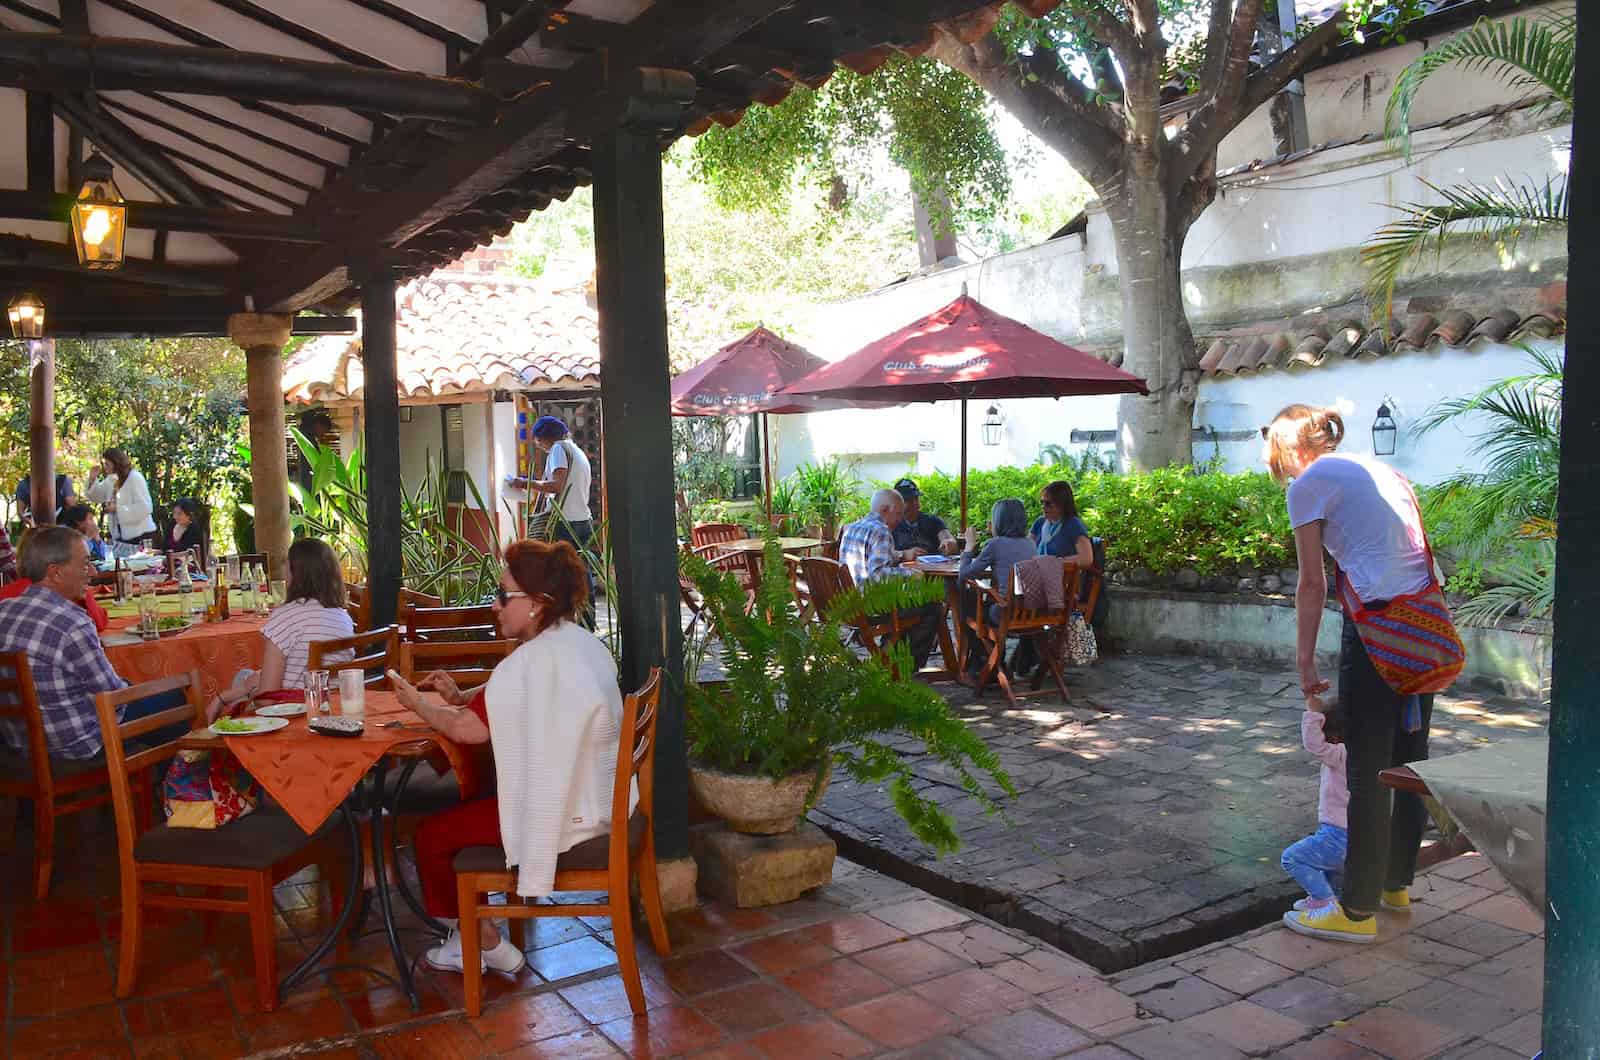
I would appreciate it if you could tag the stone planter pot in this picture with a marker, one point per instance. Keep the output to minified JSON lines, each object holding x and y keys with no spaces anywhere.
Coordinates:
{"x":755,"y":805}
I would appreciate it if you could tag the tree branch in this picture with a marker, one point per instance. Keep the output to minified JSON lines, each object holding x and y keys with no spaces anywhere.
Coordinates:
{"x":1053,"y":104}
{"x":1235,"y":66}
{"x":1195,"y":145}
{"x":1144,"y":17}
{"x":1216,"y":45}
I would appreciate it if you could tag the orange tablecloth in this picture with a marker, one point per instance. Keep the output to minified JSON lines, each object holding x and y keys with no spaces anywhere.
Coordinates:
{"x":310,"y":775}
{"x":217,"y":649}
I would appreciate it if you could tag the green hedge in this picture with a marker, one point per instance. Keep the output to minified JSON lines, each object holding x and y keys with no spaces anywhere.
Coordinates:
{"x":1165,"y":520}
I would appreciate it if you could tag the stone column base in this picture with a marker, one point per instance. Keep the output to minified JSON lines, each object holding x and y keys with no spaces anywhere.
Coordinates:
{"x":677,"y":879}
{"x":757,"y":870}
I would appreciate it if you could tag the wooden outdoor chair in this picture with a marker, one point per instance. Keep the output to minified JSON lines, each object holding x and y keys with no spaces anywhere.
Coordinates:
{"x":604,"y":863}
{"x":710,"y":534}
{"x":358,"y":604}
{"x":793,"y":566}
{"x":56,"y":786}
{"x":372,"y":652}
{"x":434,"y":623}
{"x":826,"y":579}
{"x":1080,"y":588}
{"x":690,"y":594}
{"x":250,"y":854}
{"x":469,"y":663}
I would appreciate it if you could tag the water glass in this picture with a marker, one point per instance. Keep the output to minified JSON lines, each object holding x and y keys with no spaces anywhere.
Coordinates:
{"x":352,"y":693}
{"x":279,"y":590}
{"x":317,"y":692}
{"x":231,"y":565}
{"x":124,"y":585}
{"x":149,"y":613}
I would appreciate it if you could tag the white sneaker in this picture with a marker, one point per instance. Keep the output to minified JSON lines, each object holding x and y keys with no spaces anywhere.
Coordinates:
{"x":503,"y":957}
{"x":1309,"y":902}
{"x":446,"y":957}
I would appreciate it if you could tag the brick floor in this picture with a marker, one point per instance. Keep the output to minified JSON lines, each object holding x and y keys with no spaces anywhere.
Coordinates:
{"x":866,"y":967}
{"x":1151,"y":811}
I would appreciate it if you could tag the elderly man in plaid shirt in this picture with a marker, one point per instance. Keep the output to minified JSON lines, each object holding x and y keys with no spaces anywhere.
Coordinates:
{"x":866,"y":547}
{"x":64,"y":652}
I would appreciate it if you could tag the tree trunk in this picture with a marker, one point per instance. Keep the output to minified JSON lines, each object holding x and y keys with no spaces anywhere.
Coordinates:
{"x":1158,"y":346}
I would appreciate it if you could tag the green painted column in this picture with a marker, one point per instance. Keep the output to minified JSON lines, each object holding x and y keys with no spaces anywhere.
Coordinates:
{"x":1572,"y":828}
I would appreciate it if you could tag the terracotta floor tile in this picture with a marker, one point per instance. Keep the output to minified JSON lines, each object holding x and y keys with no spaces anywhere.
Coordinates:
{"x":1396,"y":1034}
{"x":603,"y":1000}
{"x":178,"y":1013}
{"x":57,"y":925}
{"x":1043,"y":970}
{"x":921,"y":915}
{"x":852,"y":934}
{"x":1296,"y":952}
{"x":447,"y":1040}
{"x":731,"y":1051}
{"x":1248,"y":1027}
{"x":322,"y":1018}
{"x":1371,"y":978}
{"x":1325,"y":1046}
{"x":61,"y":981}
{"x":911,"y":961}
{"x":1236,"y":970}
{"x":1310,"y":1001}
{"x":897,"y":1021}
{"x":945,"y":1047}
{"x":96,"y":1051}
{"x":213,"y":1043}
{"x":580,"y":1045}
{"x":1509,"y":911}
{"x":1523,"y":1035}
{"x":43,"y":1036}
{"x":781,"y":954}
{"x":1483,"y":1051}
{"x":704,"y":972}
{"x":518,"y":1020}
{"x":974,"y":995}
{"x":381,"y":1006}
{"x":1183,"y":995}
{"x":572,"y":958}
{"x":742,"y":1009}
{"x":981,"y":944}
{"x":839,"y":982}
{"x":1027,"y":1035}
{"x":1451,"y":1005}
{"x":1102,"y":1051}
{"x":1170,"y":1041}
{"x":671,"y":1031}
{"x":1090,"y":1004}
{"x":812,"y":1039}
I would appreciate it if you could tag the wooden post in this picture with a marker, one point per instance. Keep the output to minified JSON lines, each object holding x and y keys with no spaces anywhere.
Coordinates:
{"x":381,"y":405}
{"x":262,"y":336}
{"x":963,"y":465}
{"x":491,"y":489}
{"x":636,"y":399}
{"x":766,"y":463}
{"x":1572,"y":858}
{"x":42,"y":430}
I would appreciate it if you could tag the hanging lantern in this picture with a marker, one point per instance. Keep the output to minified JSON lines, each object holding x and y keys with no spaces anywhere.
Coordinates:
{"x":1384,"y":432}
{"x":99,"y":217}
{"x":992,"y":425}
{"x":27,"y":316}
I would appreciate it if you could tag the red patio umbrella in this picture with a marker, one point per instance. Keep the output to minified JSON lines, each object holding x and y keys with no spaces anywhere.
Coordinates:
{"x":965,"y":351}
{"x":744,"y":377}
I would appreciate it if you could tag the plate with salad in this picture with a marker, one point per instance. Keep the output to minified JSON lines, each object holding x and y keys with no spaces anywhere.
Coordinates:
{"x":247,"y":726}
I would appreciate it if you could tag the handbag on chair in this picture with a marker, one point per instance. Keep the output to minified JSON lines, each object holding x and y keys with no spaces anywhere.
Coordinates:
{"x":1078,"y":645}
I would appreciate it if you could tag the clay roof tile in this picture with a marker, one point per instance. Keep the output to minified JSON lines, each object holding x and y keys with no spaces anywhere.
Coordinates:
{"x":1454,"y":326}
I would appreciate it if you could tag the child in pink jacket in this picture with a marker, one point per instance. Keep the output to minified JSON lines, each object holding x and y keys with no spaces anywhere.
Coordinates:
{"x":1317,"y":861}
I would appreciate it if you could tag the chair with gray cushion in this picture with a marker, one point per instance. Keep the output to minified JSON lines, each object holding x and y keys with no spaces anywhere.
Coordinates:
{"x":248,"y":855}
{"x":56,"y":786}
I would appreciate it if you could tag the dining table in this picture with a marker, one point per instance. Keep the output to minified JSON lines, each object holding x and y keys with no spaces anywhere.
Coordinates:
{"x":311,"y":777}
{"x":952,"y":650}
{"x":217,"y":650}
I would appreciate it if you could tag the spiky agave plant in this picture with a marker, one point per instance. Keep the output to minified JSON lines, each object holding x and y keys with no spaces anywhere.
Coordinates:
{"x":796,"y":694}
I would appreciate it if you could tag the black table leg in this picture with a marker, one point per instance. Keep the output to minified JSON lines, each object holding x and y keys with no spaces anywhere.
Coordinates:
{"x":380,"y":883}
{"x":352,"y":893}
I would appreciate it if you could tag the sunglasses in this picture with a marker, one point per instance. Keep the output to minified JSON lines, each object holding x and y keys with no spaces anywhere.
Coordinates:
{"x":504,"y":598}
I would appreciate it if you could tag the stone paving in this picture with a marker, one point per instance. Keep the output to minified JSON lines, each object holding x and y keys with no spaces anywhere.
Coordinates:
{"x":1152,"y":811}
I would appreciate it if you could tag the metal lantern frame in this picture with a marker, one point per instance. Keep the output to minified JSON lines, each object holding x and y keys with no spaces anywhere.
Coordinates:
{"x":99,"y":217}
{"x":1385,"y":432}
{"x":26,"y":313}
{"x":993,"y":424}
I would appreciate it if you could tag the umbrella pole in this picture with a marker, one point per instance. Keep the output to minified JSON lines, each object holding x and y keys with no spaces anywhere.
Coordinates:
{"x":766,"y":463}
{"x":963,"y":465}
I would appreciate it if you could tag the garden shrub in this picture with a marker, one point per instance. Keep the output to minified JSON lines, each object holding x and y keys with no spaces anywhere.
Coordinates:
{"x":1167,"y":520}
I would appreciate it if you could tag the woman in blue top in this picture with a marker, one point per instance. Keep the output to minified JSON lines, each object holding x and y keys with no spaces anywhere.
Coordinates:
{"x":999,"y":557}
{"x":1058,"y":532}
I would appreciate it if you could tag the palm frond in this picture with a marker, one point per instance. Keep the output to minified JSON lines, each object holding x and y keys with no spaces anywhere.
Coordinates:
{"x":1534,"y":54}
{"x":1530,"y":586}
{"x":1501,"y":214}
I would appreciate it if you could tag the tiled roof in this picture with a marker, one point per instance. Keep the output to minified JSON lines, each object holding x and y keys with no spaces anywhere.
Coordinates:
{"x":461,"y":333}
{"x":1319,"y":339}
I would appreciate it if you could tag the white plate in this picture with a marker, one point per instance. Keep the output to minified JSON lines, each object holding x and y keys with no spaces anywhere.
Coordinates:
{"x":281,"y":710}
{"x":257,"y":726}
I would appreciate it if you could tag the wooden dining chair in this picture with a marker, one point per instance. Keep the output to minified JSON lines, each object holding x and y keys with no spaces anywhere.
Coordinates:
{"x":710,"y":534}
{"x":795,"y":569}
{"x":826,"y":579}
{"x":1016,"y":619}
{"x":55,"y":786}
{"x":358,"y":604}
{"x":605,"y":863}
{"x":433,"y":623}
{"x":372,"y":652}
{"x":248,"y":855}
{"x":469,"y":663}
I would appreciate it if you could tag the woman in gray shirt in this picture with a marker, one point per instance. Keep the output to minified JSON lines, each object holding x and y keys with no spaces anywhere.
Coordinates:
{"x":1008,"y":546}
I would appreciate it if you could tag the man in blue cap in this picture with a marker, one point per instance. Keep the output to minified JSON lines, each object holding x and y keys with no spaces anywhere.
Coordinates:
{"x":920,"y":533}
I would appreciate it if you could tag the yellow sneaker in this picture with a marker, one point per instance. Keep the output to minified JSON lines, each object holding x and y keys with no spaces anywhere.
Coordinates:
{"x":1399,"y":899}
{"x":1329,"y":922}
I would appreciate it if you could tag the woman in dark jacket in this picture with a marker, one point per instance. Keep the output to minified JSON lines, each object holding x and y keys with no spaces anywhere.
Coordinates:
{"x":186,"y":533}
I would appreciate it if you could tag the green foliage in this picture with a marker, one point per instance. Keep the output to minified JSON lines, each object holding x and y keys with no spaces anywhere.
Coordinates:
{"x":1162,"y":520}
{"x":829,"y":494}
{"x":702,"y":465}
{"x":797,"y":697}
{"x":1528,"y":574}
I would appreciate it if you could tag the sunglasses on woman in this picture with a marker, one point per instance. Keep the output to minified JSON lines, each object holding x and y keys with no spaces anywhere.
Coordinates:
{"x":504,"y":598}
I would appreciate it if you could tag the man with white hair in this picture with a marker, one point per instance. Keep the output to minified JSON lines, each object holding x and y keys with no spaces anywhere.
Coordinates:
{"x":866,"y":547}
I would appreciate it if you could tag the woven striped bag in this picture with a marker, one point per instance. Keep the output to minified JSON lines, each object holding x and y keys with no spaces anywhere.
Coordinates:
{"x":1412,"y":641}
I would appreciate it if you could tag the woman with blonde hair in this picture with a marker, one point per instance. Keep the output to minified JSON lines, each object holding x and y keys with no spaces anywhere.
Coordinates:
{"x":1365,"y":514}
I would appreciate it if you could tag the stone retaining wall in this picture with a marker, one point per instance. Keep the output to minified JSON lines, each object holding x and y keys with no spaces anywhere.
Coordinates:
{"x":1513,"y":657}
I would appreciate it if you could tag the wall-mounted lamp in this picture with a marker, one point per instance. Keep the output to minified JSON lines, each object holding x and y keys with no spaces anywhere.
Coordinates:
{"x":993,"y":424}
{"x":1384,"y":431}
{"x":26,"y":314}
{"x":99,"y":217}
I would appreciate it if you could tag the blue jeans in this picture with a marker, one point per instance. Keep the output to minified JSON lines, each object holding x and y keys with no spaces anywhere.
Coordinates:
{"x":144,"y":708}
{"x":1317,"y":861}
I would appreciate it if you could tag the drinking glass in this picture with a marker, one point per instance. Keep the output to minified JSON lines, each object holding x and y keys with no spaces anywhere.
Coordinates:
{"x":149,"y":613}
{"x":317,"y":692}
{"x":124,"y":585}
{"x":279,"y":590}
{"x":231,"y":565}
{"x":352,"y":693}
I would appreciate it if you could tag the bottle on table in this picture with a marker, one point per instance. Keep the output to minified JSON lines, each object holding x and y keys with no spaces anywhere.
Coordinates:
{"x":220,"y":589}
{"x":248,"y":584}
{"x":186,"y":597}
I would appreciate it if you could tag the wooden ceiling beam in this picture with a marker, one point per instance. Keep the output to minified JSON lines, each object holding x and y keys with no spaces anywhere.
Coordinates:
{"x":67,"y":62}
{"x":33,"y":206}
{"x":246,"y":131}
{"x":189,"y":137}
{"x":62,"y":257}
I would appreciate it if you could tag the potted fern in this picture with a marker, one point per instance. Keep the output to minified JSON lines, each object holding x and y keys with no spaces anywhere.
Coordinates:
{"x":798,"y":703}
